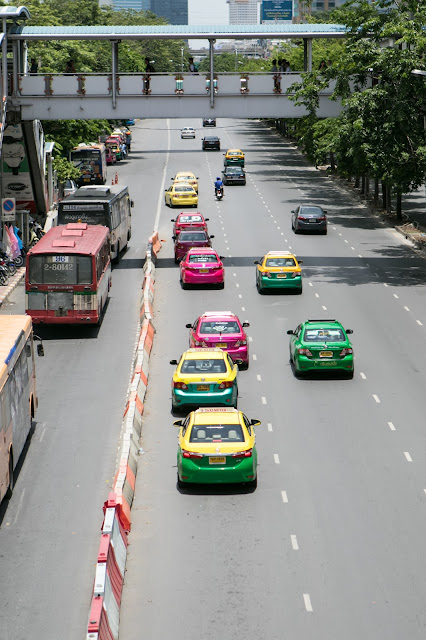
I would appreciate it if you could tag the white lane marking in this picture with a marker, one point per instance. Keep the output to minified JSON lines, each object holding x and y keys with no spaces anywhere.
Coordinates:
{"x":346,"y":242}
{"x":294,"y":542}
{"x":395,"y":296}
{"x":307,"y":600}
{"x":285,"y":498}
{"x":269,"y":426}
{"x":385,"y":284}
{"x":391,"y":426}
{"x":310,"y":284}
{"x":42,"y":434}
{"x":282,"y":233}
{"x":226,"y":241}
{"x":278,"y":228}
{"x":377,"y":399}
{"x":236,"y":284}
{"x":325,"y":308}
{"x":419,"y":323}
{"x":317,"y":295}
{"x":239,"y":295}
{"x":407,"y":455}
{"x":259,"y":377}
{"x":163,"y":180}
{"x":254,"y":356}
{"x":229,"y":255}
{"x":363,"y":376}
{"x":276,"y":458}
{"x":18,"y":510}
{"x":406,"y":308}
{"x":250,"y":339}
{"x":243,"y":308}
{"x":234,"y":274}
{"x":359,"y":255}
{"x":340,"y":234}
{"x":263,"y":400}
{"x":353,"y":248}
{"x":334,"y":228}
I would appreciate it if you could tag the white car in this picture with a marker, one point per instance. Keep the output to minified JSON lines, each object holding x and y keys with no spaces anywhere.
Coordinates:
{"x":187,"y":132}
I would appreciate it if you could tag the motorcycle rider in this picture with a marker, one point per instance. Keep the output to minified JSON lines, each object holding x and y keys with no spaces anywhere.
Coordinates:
{"x":218,"y":185}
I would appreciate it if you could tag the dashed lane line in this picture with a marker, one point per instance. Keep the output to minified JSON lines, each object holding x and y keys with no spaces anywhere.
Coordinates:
{"x":391,"y":426}
{"x":377,"y":399}
{"x":285,"y":497}
{"x":307,"y":601}
{"x":408,"y":457}
{"x":269,"y":426}
{"x":294,"y":543}
{"x":276,"y":458}
{"x":363,"y":376}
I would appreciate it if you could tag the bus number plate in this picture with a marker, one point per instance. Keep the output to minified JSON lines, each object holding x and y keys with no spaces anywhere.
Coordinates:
{"x":60,"y":258}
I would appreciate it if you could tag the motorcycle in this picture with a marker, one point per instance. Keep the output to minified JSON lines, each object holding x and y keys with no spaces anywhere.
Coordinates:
{"x":36,"y":233}
{"x":4,"y":273}
{"x":219,"y":193}
{"x":9,"y":264}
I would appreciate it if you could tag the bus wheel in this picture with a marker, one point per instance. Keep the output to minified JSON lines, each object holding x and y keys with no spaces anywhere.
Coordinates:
{"x":117,"y":257}
{"x":10,"y":487}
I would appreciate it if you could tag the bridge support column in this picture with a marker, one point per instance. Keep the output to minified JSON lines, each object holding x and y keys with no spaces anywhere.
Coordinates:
{"x":211,"y":52}
{"x":114,"y":69}
{"x":307,"y":54}
{"x":4,"y":60}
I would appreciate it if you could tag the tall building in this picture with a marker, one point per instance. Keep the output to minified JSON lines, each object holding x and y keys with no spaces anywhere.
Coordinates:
{"x":302,"y":9}
{"x":243,"y":11}
{"x":174,"y":11}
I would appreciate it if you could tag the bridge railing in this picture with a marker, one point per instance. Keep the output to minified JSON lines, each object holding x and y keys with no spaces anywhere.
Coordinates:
{"x":156,"y":84}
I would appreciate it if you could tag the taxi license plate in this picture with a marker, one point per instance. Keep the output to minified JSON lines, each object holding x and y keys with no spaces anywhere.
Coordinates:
{"x":221,"y":345}
{"x":329,"y":363}
{"x":281,"y":275}
{"x":203,"y":387}
{"x":217,"y":460}
{"x":326,"y":354}
{"x":86,"y":179}
{"x":204,"y":270}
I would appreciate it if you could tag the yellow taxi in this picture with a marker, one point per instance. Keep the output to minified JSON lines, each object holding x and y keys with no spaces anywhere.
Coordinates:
{"x":278,"y":270}
{"x":182,"y":194}
{"x":206,"y":376}
{"x":234,"y":157}
{"x":217,"y":446}
{"x":188,"y":177}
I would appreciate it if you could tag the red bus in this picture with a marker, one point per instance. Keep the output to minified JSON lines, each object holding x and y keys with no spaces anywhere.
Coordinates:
{"x":68,"y":275}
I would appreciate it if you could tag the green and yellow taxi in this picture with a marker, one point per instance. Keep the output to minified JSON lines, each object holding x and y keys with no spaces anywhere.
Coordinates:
{"x":234,"y":157}
{"x":217,"y":446}
{"x":318,"y":345}
{"x":204,"y":377}
{"x":181,"y":194}
{"x":279,"y":270}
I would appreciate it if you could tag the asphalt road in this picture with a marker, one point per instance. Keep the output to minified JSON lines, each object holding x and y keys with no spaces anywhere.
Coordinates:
{"x":49,"y":531}
{"x":331,"y":544}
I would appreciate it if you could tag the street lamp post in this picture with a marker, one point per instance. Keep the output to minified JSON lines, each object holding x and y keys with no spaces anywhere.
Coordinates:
{"x":181,"y":50}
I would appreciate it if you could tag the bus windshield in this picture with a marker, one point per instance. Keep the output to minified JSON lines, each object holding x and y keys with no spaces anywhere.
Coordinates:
{"x":62,"y":269}
{"x":91,"y":214}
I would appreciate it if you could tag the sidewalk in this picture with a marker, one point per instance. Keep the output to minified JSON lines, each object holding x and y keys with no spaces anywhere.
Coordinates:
{"x":6,"y":290}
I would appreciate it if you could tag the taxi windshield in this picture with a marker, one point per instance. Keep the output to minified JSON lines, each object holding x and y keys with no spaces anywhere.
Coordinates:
{"x":202,"y":258}
{"x":198,"y":366}
{"x":182,"y":177}
{"x":216,"y":433}
{"x":215,"y":327}
{"x":182,"y":188}
{"x":324,"y":335}
{"x":280,"y":262}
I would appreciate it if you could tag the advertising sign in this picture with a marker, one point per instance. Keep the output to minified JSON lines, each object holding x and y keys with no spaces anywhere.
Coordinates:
{"x":277,"y":10}
{"x":16,"y":170}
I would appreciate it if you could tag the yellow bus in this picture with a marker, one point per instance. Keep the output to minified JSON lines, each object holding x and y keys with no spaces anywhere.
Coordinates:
{"x":18,"y":397}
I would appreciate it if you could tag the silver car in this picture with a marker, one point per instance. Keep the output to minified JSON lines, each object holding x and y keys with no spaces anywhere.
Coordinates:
{"x":187,"y":132}
{"x":309,"y":218}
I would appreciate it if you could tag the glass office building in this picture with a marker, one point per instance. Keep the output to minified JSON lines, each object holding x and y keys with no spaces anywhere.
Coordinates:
{"x":174,"y":11}
{"x":243,"y":11}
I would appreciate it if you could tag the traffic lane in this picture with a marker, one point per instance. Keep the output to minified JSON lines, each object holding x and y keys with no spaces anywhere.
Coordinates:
{"x":231,"y":540}
{"x":77,"y":430}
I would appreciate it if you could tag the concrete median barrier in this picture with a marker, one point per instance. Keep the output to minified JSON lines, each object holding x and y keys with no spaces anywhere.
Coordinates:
{"x":106,"y":598}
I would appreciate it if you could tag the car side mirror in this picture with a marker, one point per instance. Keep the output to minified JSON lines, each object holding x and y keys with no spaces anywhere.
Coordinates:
{"x":173,"y":237}
{"x":40,"y":350}
{"x":132,"y":203}
{"x":300,"y":261}
{"x":349,"y":331}
{"x":221,"y":257}
{"x":173,"y":362}
{"x":178,"y":423}
{"x":255,"y":422}
{"x":188,"y":326}
{"x":211,"y":236}
{"x":324,"y":211}
{"x":206,"y":219}
{"x":246,"y":324}
{"x":172,"y":220}
{"x":197,"y":178}
{"x":293,"y":211}
{"x":256,"y":262}
{"x":290,"y":332}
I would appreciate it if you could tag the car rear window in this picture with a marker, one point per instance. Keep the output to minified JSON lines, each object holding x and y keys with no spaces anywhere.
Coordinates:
{"x":187,"y":236}
{"x":184,"y":219}
{"x":234,"y":171}
{"x":311,"y":211}
{"x":198,"y":366}
{"x":183,"y":188}
{"x":185,"y":178}
{"x":280,"y":262}
{"x":202,"y":258}
{"x":216,"y":327}
{"x":211,"y":139}
{"x":216,"y":433}
{"x":324,"y":335}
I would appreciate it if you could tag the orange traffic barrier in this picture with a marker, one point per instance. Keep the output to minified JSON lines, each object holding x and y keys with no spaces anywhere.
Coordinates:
{"x":116,"y":178}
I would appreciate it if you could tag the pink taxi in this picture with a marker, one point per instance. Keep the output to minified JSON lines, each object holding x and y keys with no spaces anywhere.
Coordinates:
{"x":202,"y":266}
{"x":221,"y":329}
{"x":189,"y":221}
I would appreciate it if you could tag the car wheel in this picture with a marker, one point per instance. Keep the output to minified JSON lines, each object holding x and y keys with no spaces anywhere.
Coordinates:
{"x":176,"y":260}
{"x":295,"y":230}
{"x":259,"y":288}
{"x":179,"y":483}
{"x":165,"y":202}
{"x":349,"y":375}
{"x":252,"y":484}
{"x":299,"y":291}
{"x":297,"y":373}
{"x":9,"y":490}
{"x":221,"y":285}
{"x":183,"y":284}
{"x":324,"y":233}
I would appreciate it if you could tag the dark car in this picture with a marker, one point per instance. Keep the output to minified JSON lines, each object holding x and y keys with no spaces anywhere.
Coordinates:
{"x":209,"y":122}
{"x":234,"y":175}
{"x":309,"y":218}
{"x":188,"y":239}
{"x":210,"y":142}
